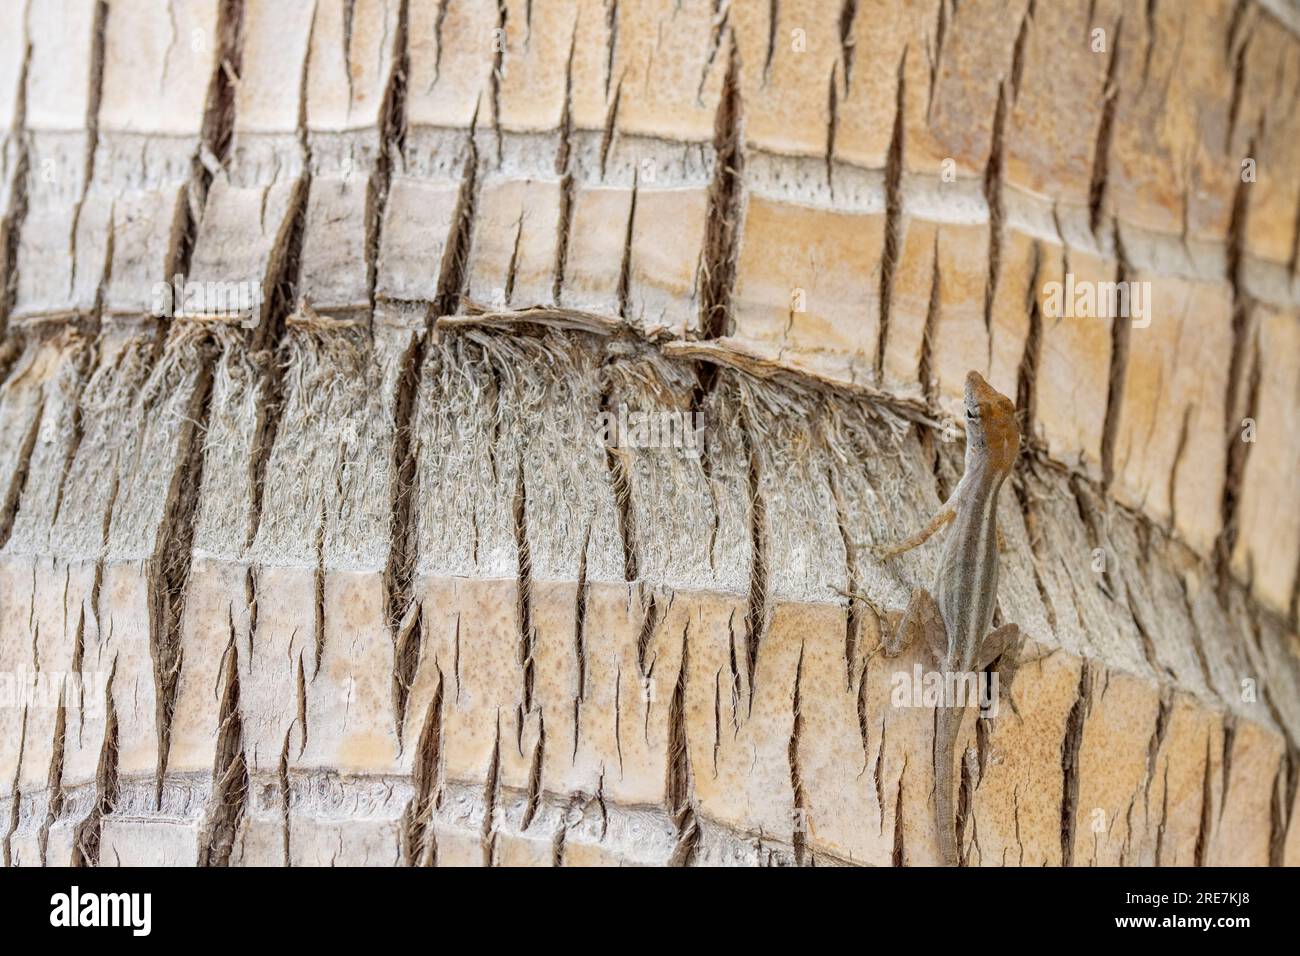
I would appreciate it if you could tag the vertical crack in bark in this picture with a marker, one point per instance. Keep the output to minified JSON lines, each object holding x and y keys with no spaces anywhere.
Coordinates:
{"x":853,"y":613}
{"x":76,"y":428}
{"x":1151,"y":41}
{"x":491,"y":786}
{"x":1148,"y":644}
{"x":1101,"y":150}
{"x":345,"y":42}
{"x":898,"y":856}
{"x":219,"y":117}
{"x":773,"y":20}
{"x":229,"y":768}
{"x":557,"y":842}
{"x":264,"y":344}
{"x":318,"y":595}
{"x":680,"y":785}
{"x":725,"y":208}
{"x":925,"y":371}
{"x":733,"y":667}
{"x":1229,"y":742}
{"x":16,"y":796}
{"x":498,"y":66}
{"x":893,"y":214}
{"x":799,"y":832}
{"x":1157,"y":742}
{"x":535,"y":775}
{"x":582,"y":596}
{"x":403,"y":609}
{"x":1018,"y":51}
{"x":58,"y":745}
{"x":625,"y":263}
{"x":721,"y":11}
{"x":611,"y":47}
{"x":878,"y":765}
{"x":618,"y":714}
{"x":1281,"y":804}
{"x":940,"y":34}
{"x":13,"y":492}
{"x":440,"y":19}
{"x":392,"y":140}
{"x":611,"y":124}
{"x":1070,"y":762}
{"x":1027,"y":374}
{"x":717,"y":719}
{"x":86,"y":843}
{"x":1240,"y":15}
{"x":512,"y":268}
{"x":301,"y":700}
{"x":654,"y":614}
{"x":1207,"y":808}
{"x":563,"y":169}
{"x":169,"y":572}
{"x":966,"y":783}
{"x":452,"y":273}
{"x":832,"y":125}
{"x":1293,"y":261}
{"x":216,"y":135}
{"x":419,"y":843}
{"x":1120,"y":332}
{"x":407,"y":643}
{"x":282,"y":782}
{"x":1164,"y":816}
{"x":11,"y":225}
{"x":993,"y":175}
{"x":91,"y":126}
{"x":1242,"y":397}
{"x":1179,"y":451}
{"x":1198,"y":640}
{"x":524,"y":597}
{"x":1237,"y":58}
{"x":848,"y":13}
{"x":757,"y":606}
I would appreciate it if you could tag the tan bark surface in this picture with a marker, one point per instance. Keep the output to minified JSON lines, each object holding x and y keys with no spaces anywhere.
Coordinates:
{"x":363,"y":587}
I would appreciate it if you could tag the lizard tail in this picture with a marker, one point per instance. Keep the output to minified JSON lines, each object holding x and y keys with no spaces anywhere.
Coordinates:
{"x":947,"y":724}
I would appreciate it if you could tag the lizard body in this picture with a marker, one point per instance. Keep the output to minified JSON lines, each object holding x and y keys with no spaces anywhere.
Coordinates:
{"x":953,"y":618}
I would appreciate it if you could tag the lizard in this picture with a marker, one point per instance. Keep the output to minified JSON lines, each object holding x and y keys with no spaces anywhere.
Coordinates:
{"x":953,"y":617}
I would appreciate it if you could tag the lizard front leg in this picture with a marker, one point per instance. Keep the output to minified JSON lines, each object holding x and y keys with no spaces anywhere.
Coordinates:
{"x":941,"y":518}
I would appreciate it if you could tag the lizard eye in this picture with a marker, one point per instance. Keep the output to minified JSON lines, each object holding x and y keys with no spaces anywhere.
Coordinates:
{"x":972,"y":414}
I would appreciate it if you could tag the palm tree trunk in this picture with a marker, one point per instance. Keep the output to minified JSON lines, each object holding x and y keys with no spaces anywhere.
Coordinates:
{"x":317,"y":315}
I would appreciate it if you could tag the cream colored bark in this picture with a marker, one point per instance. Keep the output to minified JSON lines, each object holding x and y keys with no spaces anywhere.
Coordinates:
{"x":354,"y":580}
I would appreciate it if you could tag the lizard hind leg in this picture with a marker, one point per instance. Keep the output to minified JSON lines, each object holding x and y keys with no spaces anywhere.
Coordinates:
{"x":999,"y":642}
{"x":921,"y":620}
{"x":1003,"y":646}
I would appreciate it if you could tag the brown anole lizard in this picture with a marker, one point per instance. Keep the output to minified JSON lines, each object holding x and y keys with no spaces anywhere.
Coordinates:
{"x":953,"y":618}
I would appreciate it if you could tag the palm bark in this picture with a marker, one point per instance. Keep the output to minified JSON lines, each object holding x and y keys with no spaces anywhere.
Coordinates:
{"x":363,"y":587}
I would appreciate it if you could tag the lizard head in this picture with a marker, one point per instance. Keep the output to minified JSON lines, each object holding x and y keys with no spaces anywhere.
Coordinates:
{"x":991,"y":427}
